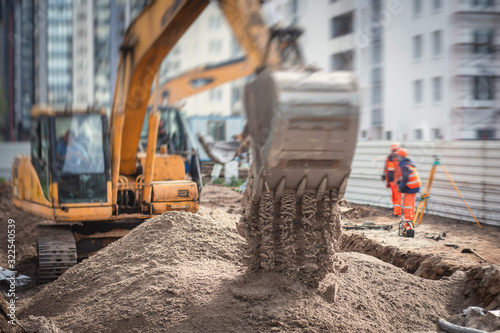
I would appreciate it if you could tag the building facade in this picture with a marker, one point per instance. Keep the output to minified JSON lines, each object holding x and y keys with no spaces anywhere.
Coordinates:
{"x":58,"y":52}
{"x":16,"y":67}
{"x":427,"y":69}
{"x":208,"y":41}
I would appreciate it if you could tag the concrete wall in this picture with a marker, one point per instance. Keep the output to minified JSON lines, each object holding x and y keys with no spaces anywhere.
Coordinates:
{"x":473,"y":165}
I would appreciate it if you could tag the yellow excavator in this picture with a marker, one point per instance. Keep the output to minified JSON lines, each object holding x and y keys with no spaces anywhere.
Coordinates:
{"x":95,"y":180}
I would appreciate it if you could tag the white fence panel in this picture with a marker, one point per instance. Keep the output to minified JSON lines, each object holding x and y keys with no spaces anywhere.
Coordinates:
{"x":473,"y":165}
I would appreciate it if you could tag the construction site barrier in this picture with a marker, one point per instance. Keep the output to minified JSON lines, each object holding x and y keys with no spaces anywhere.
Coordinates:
{"x":474,"y":166}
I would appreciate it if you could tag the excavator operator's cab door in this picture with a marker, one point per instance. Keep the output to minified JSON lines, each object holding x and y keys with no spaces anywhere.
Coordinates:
{"x":68,"y":165}
{"x":81,"y":158}
{"x":175,"y":135}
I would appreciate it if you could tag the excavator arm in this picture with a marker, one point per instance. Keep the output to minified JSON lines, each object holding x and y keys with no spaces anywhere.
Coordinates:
{"x":147,"y":41}
{"x":201,"y":79}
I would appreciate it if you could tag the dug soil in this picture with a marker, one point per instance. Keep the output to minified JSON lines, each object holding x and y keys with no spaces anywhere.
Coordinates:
{"x":181,"y":272}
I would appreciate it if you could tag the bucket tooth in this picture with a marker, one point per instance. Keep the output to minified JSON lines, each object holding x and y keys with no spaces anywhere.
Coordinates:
{"x":279,"y":190}
{"x":322,"y":188}
{"x":301,"y":188}
{"x":257,"y":189}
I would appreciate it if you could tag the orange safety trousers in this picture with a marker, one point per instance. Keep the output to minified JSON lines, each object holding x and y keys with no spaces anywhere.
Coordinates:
{"x":409,"y":205}
{"x":396,"y":198}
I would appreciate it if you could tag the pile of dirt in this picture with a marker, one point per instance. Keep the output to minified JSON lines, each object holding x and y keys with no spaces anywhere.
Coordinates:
{"x":352,"y":211}
{"x":25,"y":225}
{"x":483,"y":286}
{"x":182,"y":272}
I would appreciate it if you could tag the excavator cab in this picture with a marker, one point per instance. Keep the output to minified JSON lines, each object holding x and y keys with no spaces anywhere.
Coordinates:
{"x":171,"y":131}
{"x":80,"y":159}
{"x":69,"y":165}
{"x":174,"y":137}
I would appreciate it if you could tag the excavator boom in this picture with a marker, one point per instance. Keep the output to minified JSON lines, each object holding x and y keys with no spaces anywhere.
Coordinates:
{"x":148,"y":40}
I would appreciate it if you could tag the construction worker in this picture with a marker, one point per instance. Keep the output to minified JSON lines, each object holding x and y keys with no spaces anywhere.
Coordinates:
{"x":408,"y":184}
{"x":390,"y":176}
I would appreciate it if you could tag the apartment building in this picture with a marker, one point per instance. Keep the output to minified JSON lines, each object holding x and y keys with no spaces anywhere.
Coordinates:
{"x":16,"y":67}
{"x":208,"y":41}
{"x":427,"y":69}
{"x":77,"y":49}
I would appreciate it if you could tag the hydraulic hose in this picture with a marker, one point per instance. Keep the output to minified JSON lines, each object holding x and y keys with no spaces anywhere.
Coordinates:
{"x":451,"y":328}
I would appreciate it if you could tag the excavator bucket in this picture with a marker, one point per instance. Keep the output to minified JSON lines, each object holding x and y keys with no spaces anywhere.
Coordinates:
{"x":303,"y":128}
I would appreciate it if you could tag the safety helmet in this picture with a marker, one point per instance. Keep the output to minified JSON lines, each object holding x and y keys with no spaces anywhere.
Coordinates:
{"x":402,"y":152}
{"x":394,"y":146}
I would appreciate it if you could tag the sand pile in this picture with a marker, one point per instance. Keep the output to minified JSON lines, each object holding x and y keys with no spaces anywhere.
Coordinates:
{"x":182,"y":272}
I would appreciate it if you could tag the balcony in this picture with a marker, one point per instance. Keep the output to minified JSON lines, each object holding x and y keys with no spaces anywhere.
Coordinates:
{"x":480,"y":67}
{"x":476,"y":7}
{"x":470,"y":103}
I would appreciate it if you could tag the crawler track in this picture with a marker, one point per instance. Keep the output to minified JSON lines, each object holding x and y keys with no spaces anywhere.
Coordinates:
{"x":56,"y":251}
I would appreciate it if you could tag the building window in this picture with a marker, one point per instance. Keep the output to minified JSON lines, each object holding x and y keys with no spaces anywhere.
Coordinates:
{"x":484,"y":88}
{"x":82,"y":16}
{"x":436,"y":43}
{"x":485,"y":134}
{"x":82,"y":98}
{"x":216,"y":94}
{"x":377,"y":117}
{"x":417,"y":7}
{"x":377,"y":54}
{"x":217,"y":130}
{"x":482,"y":4}
{"x":82,"y":64}
{"x":436,"y":4}
{"x":436,"y":134}
{"x":82,"y":33}
{"x":483,"y":41}
{"x":236,"y":94}
{"x":417,"y":47}
{"x":376,"y":74}
{"x":437,"y":89}
{"x":214,"y":22}
{"x":82,"y":49}
{"x":341,"y":25}
{"x":388,"y":135}
{"x":342,"y":61}
{"x":377,"y":93}
{"x":418,"y":91}
{"x":215,"y":46}
{"x":419,"y":134}
{"x":82,"y":81}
